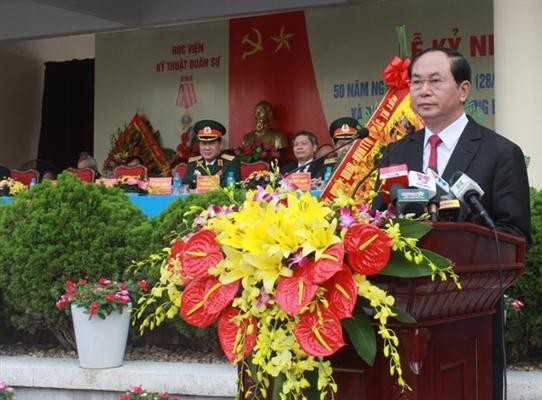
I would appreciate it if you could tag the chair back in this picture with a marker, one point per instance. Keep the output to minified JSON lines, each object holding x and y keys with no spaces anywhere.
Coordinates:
{"x":181,"y":169}
{"x":84,"y":174}
{"x":248,"y":168}
{"x":125,"y":170}
{"x":25,"y":177}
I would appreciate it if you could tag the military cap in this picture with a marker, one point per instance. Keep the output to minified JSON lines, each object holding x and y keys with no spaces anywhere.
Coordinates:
{"x":208,"y":130}
{"x":343,"y":128}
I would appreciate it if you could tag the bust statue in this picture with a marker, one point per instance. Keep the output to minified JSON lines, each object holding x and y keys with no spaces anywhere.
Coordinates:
{"x":264,"y":133}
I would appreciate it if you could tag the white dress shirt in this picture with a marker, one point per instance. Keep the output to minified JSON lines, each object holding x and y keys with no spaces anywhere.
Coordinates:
{"x":449,"y":136}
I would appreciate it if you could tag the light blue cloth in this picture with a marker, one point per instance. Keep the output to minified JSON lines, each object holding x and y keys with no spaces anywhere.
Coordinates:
{"x":152,"y":204}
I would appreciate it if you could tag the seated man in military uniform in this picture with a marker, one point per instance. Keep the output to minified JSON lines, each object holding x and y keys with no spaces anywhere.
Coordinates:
{"x":211,"y":161}
{"x":342,"y":131}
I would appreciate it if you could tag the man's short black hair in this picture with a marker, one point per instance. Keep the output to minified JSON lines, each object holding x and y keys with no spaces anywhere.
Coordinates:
{"x":458,"y":64}
{"x":312,"y":137}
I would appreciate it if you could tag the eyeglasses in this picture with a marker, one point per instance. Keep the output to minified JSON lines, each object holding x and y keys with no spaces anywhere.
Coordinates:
{"x":434,"y":83}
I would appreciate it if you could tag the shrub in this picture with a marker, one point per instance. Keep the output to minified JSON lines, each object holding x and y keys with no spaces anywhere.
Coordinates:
{"x":523,"y":327}
{"x":55,"y":233}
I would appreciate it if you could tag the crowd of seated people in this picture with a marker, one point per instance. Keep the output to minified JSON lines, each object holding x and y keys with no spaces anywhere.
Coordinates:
{"x":215,"y":161}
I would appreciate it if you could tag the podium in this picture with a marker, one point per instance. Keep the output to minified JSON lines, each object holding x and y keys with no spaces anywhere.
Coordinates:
{"x":447,"y":353}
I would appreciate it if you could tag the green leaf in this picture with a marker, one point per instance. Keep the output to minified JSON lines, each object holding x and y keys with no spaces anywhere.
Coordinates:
{"x":312,"y":393}
{"x":437,"y":259}
{"x":277,"y":386}
{"x":362,"y":335}
{"x":412,"y":229}
{"x":399,"y":266}
{"x":403,"y":316}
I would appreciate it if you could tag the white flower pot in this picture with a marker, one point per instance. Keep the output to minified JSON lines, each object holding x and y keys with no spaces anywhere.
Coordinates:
{"x":101,"y":342}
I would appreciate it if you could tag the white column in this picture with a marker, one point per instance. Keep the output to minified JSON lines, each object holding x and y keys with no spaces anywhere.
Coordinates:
{"x":518,"y":78}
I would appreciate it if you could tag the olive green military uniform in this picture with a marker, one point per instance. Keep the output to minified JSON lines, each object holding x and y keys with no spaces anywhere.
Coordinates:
{"x":221,"y":167}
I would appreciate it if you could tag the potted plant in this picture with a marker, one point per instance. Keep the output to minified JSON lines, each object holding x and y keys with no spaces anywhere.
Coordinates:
{"x":6,"y":392}
{"x":138,"y":393}
{"x":101,"y":319}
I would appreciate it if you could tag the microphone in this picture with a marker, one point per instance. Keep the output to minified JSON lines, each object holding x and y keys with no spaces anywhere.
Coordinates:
{"x":396,"y":174}
{"x":376,"y":166}
{"x":443,"y":187}
{"x":361,"y":134}
{"x":449,"y":210}
{"x":427,"y":182}
{"x":469,"y":192}
{"x":410,"y":200}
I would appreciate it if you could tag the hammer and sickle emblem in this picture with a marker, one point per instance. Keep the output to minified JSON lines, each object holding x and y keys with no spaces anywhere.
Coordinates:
{"x":256,"y":45}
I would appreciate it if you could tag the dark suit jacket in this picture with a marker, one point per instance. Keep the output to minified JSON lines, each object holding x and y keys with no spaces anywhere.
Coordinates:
{"x":4,"y":172}
{"x":494,"y":162}
{"x":316,"y":168}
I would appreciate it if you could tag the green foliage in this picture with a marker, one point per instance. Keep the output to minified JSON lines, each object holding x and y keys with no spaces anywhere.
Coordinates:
{"x":54,"y":233}
{"x":523,"y":327}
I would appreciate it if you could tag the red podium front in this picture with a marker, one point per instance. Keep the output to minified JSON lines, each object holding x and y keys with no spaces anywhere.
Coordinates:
{"x":447,"y":354}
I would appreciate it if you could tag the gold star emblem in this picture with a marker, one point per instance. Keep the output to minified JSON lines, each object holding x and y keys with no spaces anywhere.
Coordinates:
{"x":282,"y":39}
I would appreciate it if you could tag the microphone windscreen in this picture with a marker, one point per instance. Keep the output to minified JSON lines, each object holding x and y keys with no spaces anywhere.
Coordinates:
{"x":362,"y":133}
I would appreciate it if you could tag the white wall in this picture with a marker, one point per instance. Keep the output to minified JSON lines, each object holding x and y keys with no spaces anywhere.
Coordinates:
{"x":21,"y":91}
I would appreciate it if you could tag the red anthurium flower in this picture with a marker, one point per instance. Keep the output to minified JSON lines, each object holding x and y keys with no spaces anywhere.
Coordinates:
{"x":175,"y":254}
{"x":319,"y":335}
{"x":200,"y":253}
{"x":342,"y":293}
{"x":368,"y":248}
{"x":204,"y":299}
{"x":295,"y":292}
{"x":227,"y":333}
{"x":329,"y":263}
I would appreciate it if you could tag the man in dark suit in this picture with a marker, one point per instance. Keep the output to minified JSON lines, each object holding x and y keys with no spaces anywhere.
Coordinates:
{"x":440,"y":82}
{"x":211,"y":160}
{"x":304,"y":145}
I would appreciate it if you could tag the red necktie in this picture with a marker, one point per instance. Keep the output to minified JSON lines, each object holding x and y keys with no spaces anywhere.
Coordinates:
{"x":434,"y":141}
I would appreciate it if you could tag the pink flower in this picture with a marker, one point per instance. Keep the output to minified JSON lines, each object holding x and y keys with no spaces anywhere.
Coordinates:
{"x":517,"y":304}
{"x":136,"y":389}
{"x":345,"y":218}
{"x":142,"y":185}
{"x":104,"y":281}
{"x":93,"y":308}
{"x":110,"y":297}
{"x":131,"y":181}
{"x":143,"y":285}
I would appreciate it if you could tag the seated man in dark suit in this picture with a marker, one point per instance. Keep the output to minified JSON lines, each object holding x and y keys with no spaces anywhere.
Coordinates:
{"x":304,"y":145}
{"x":211,"y":160}
{"x":440,"y":82}
{"x":4,"y":173}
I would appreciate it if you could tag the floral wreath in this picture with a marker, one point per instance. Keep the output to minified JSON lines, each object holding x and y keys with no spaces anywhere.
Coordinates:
{"x":282,"y":274}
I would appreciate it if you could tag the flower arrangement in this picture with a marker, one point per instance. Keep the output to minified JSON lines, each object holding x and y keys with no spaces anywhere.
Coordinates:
{"x":11,"y":187}
{"x":100,"y":298}
{"x":6,"y":392}
{"x":256,"y":151}
{"x":138,"y":393}
{"x":282,"y":274}
{"x":133,"y":184}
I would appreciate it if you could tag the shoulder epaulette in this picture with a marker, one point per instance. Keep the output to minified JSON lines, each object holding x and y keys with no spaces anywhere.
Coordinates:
{"x":330,"y":161}
{"x":195,"y":158}
{"x":228,"y":157}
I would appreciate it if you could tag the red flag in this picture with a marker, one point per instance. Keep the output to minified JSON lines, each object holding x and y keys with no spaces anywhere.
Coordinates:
{"x":270,"y":60}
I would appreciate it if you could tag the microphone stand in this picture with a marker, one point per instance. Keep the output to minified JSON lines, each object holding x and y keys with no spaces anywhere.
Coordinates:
{"x":361,"y":134}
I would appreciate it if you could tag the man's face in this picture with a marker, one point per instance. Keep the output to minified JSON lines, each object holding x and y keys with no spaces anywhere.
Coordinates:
{"x":303,"y":148}
{"x":85,"y":164}
{"x":436,"y":97}
{"x":342,"y":151}
{"x":210,"y":150}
